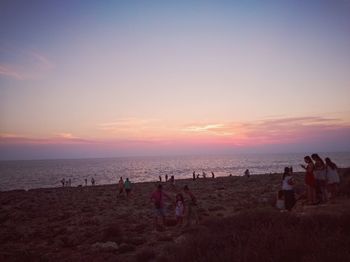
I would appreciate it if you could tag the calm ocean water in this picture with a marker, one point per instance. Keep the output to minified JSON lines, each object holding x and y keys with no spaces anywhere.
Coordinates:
{"x":48,"y":173}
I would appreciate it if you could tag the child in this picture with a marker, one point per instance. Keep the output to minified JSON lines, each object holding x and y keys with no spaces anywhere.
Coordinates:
{"x":179,"y":208}
{"x":280,"y":200}
{"x":121,"y":185}
{"x":288,"y":189}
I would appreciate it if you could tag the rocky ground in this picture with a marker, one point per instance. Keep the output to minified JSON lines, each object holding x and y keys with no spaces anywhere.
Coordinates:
{"x":96,"y":224}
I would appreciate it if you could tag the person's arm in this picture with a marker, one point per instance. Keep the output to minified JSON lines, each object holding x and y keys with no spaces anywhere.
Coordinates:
{"x":303,"y":166}
{"x":291,"y":181}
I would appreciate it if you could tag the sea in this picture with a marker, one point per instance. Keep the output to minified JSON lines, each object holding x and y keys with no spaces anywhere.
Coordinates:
{"x":30,"y":174}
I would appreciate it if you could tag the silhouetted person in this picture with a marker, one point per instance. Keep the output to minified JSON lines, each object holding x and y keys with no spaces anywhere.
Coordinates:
{"x":172,"y":180}
{"x":127,"y":186}
{"x":121,"y":185}
{"x":192,"y":212}
{"x":160,"y":178}
{"x":212,"y":175}
{"x":92,"y":181}
{"x":247,"y":173}
{"x":166,"y":177}
{"x":85,"y":181}
{"x":63,"y":181}
{"x":194,"y":175}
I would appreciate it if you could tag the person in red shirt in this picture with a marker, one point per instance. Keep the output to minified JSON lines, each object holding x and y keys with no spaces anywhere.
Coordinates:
{"x":158,"y":199}
{"x":310,"y":180}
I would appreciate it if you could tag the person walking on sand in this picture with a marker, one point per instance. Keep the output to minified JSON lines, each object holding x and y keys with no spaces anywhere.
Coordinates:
{"x":157,"y":197}
{"x":179,"y":208}
{"x":127,"y":186}
{"x":160,"y":179}
{"x":333,"y":177}
{"x":320,"y":173}
{"x":192,"y":212}
{"x":121,"y":185}
{"x":92,"y":181}
{"x":288,"y":189}
{"x":194,"y":175}
{"x":63,"y":182}
{"x":166,"y":177}
{"x":310,"y":181}
{"x":212,"y":175}
{"x":247,"y":173}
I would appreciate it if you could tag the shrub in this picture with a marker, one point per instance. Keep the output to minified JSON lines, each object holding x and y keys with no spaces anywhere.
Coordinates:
{"x":269,"y":236}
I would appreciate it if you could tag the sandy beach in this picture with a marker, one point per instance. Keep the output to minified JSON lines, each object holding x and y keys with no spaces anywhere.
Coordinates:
{"x":94,"y":223}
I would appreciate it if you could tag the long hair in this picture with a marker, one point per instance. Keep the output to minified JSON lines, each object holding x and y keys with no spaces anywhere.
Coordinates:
{"x":286,"y":172}
{"x":316,"y":157}
{"x":330,"y":163}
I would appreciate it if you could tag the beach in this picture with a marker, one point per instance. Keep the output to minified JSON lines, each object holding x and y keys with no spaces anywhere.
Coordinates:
{"x":94,"y":223}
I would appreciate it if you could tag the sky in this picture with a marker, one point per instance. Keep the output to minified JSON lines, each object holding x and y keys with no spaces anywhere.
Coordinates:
{"x":130,"y":78}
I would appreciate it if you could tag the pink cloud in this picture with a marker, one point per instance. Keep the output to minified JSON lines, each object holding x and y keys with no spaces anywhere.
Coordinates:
{"x":24,"y":64}
{"x":8,"y":71}
{"x":61,"y":138}
{"x":303,"y":134}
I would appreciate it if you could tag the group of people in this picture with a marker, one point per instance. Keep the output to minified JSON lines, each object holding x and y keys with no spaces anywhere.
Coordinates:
{"x":171,"y":180}
{"x":124,"y":186}
{"x":321,"y":180}
{"x":182,"y":207}
{"x":204,"y":175}
{"x":66,"y":183}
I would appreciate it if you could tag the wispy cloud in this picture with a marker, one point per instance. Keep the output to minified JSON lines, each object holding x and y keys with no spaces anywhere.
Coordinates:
{"x":23,"y":64}
{"x":59,"y":138}
{"x":8,"y":71}
{"x":268,"y":131}
{"x":134,"y":132}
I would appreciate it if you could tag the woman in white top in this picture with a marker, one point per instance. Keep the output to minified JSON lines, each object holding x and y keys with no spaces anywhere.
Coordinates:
{"x":332,"y":177}
{"x":320,"y":173}
{"x":288,"y":189}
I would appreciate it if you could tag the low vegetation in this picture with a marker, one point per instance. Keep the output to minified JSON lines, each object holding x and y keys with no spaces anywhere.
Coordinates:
{"x":268,"y":235}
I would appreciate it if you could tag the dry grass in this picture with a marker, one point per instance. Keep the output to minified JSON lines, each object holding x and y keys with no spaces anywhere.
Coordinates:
{"x":269,"y":236}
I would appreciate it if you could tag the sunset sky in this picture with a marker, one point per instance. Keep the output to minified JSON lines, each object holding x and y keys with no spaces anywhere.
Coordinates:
{"x":124,"y":78}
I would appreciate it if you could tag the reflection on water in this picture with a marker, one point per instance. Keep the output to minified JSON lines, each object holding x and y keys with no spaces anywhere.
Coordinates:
{"x":48,"y":173}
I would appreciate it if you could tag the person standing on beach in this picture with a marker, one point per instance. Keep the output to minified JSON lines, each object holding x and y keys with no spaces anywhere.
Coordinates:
{"x":333,"y":177}
{"x":63,"y":181}
{"x":166,"y":177}
{"x":179,"y":208}
{"x":320,"y":173}
{"x":212,"y":175}
{"x":192,"y":212}
{"x":310,"y":180}
{"x":85,"y":181}
{"x":121,"y":185}
{"x":158,"y":200}
{"x":288,"y":189}
{"x":194,"y":175}
{"x":92,"y":181}
{"x":127,"y":186}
